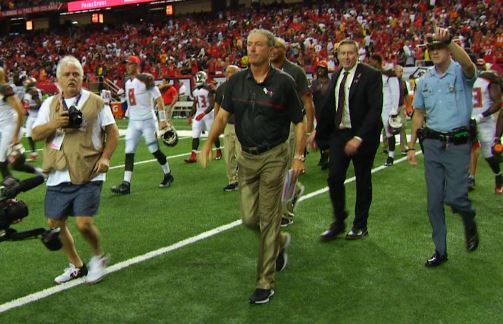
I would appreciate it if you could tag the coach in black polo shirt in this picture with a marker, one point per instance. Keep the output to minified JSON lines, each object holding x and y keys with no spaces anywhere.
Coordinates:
{"x":264,"y":102}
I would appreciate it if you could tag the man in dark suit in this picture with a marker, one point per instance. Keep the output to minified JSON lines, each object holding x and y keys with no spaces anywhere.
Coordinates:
{"x":350,"y":120}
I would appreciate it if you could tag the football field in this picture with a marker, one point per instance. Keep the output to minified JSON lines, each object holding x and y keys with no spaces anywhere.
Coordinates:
{"x":180,"y":255}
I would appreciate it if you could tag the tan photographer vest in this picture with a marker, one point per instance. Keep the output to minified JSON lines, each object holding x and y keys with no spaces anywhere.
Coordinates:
{"x":77,"y":153}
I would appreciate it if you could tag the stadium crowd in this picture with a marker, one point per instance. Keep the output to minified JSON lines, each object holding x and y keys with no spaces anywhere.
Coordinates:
{"x":185,"y":45}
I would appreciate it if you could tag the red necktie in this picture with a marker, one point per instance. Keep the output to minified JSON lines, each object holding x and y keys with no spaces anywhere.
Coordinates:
{"x":341,"y":100}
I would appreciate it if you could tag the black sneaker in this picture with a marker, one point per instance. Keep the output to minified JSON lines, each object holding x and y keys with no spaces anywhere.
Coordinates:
{"x":389,"y":161}
{"x":261,"y":296}
{"x":282,"y":259}
{"x":285,"y":221}
{"x":231,"y":187}
{"x":166,"y":181}
{"x":123,"y":189}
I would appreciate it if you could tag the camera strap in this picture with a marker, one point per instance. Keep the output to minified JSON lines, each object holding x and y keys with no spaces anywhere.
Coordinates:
{"x":63,"y":101}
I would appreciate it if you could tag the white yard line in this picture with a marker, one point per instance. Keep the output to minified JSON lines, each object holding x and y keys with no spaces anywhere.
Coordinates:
{"x":150,"y":255}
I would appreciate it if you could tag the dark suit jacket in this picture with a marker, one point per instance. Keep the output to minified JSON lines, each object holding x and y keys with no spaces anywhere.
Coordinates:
{"x":365,"y":106}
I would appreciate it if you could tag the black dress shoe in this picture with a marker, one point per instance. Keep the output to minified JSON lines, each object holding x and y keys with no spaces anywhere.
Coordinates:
{"x":436,"y":260}
{"x":472,"y":239}
{"x":357,"y":234}
{"x":332,"y":232}
{"x":472,"y":243}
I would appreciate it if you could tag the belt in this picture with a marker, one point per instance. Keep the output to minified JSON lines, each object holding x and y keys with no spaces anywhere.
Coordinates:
{"x":457,"y":136}
{"x":256,"y":150}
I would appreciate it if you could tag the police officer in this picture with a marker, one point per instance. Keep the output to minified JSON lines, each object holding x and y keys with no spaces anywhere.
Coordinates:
{"x":443,"y":100}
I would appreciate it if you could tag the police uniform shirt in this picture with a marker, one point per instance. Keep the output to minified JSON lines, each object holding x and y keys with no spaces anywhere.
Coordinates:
{"x":446,"y":99}
{"x":219,"y":98}
{"x":263,"y":111}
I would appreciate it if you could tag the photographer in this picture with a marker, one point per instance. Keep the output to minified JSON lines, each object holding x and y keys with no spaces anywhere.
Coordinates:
{"x":80,"y":136}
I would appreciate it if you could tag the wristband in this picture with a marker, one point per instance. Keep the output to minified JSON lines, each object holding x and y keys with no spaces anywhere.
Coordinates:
{"x":162,"y":115}
{"x":410,"y":149}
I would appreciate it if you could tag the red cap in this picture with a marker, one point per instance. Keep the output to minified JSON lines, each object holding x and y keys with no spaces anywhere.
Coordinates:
{"x":133,"y":59}
{"x":323,"y":64}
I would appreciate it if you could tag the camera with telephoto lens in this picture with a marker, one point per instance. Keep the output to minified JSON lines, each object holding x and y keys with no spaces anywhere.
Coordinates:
{"x":74,"y":117}
{"x":12,"y":211}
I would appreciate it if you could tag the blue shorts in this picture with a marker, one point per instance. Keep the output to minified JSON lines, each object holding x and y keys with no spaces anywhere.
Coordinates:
{"x":67,"y":199}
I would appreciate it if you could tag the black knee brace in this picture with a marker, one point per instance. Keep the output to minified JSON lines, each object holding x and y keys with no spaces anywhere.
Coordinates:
{"x":32,"y":144}
{"x":161,"y":158}
{"x":195,"y":144}
{"x":391,"y":143}
{"x":129,"y":164}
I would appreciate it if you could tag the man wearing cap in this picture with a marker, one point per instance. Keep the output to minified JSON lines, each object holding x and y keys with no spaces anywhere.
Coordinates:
{"x":443,"y":102}
{"x":320,"y":89}
{"x":279,"y":60}
{"x":140,"y":93}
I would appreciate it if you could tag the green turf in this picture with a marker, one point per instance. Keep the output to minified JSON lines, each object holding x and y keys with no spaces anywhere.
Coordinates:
{"x":380,"y":279}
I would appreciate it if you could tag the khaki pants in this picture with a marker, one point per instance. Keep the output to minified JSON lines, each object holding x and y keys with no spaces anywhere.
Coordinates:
{"x":260,"y":185}
{"x":232,"y":148}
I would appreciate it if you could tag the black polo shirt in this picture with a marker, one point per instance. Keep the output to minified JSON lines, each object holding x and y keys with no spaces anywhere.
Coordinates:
{"x":263,"y":111}
{"x":298,"y":75}
{"x":219,"y":97}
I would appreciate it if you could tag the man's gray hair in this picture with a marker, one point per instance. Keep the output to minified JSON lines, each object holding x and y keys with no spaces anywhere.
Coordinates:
{"x":348,"y":41}
{"x":271,"y":39}
{"x":68,"y":60}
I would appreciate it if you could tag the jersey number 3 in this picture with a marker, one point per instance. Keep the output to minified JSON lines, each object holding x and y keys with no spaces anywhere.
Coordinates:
{"x":203,"y":102}
{"x":132,"y":98}
{"x":477,"y":98}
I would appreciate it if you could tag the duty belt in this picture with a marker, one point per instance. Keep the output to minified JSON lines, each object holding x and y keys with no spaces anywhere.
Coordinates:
{"x":457,"y":136}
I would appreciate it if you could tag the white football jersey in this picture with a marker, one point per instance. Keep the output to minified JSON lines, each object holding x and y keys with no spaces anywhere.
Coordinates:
{"x":7,"y":114}
{"x":481,"y":98}
{"x":202,"y":95}
{"x":140,"y":100}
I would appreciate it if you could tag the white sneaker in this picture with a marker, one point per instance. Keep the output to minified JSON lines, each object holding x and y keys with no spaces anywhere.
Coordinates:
{"x":97,"y":269}
{"x":71,"y":273}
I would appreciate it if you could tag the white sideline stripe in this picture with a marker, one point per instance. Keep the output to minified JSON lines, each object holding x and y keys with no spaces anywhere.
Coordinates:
{"x":153,"y":160}
{"x":152,"y":254}
{"x":116,"y":267}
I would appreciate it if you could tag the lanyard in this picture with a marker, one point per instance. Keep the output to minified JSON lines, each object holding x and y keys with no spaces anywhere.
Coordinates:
{"x":63,"y":101}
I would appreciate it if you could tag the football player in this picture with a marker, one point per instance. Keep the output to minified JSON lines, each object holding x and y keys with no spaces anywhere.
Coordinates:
{"x":201,"y":116}
{"x":391,"y":97}
{"x":141,"y":93}
{"x":32,"y":100}
{"x":486,"y":103}
{"x":11,"y":120}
